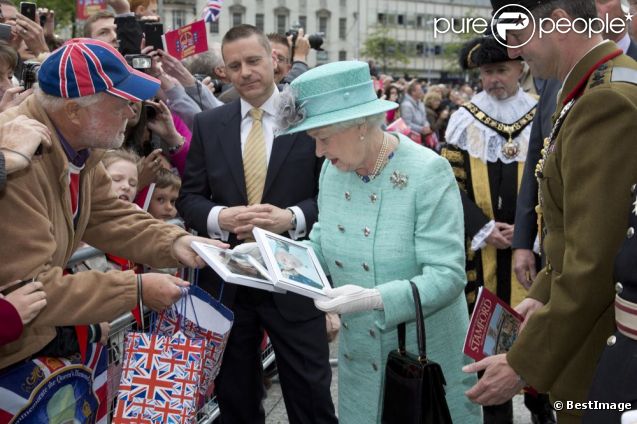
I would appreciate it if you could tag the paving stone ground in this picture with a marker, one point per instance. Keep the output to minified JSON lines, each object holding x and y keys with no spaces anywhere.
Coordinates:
{"x":275,"y":407}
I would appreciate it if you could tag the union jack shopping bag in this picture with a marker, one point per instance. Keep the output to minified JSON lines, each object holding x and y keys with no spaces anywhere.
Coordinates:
{"x":199,"y":315}
{"x":159,"y":381}
{"x":56,"y":390}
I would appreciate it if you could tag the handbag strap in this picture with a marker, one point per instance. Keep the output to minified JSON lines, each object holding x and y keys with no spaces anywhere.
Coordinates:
{"x":420,"y":328}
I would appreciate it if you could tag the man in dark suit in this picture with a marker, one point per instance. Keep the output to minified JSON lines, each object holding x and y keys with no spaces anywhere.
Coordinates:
{"x":238,"y":176}
{"x":525,"y":229}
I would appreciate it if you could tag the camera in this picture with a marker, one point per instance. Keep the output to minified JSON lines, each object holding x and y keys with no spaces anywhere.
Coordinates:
{"x":151,"y":112}
{"x":217,"y":84}
{"x":141,"y":62}
{"x":315,"y":40}
{"x":29,"y":74}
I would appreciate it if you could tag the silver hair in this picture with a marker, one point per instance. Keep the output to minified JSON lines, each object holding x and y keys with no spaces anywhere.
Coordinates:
{"x":372,"y":121}
{"x":53,"y":103}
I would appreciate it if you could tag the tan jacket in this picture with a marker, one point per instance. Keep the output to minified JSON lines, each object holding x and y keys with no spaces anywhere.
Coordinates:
{"x":586,"y":190}
{"x":37,"y":239}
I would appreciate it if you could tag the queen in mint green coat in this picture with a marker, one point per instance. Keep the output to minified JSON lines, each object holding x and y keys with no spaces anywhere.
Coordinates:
{"x":383,"y":234}
{"x":389,"y":212}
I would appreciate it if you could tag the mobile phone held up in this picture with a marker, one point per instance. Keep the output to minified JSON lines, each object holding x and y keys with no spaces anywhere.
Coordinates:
{"x":5,"y":32}
{"x":27,"y":9}
{"x":153,"y":32}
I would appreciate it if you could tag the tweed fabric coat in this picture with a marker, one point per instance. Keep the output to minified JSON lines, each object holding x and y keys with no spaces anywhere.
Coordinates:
{"x":383,"y":234}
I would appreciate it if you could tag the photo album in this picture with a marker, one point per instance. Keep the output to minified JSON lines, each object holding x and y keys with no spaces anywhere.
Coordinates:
{"x":274,"y":263}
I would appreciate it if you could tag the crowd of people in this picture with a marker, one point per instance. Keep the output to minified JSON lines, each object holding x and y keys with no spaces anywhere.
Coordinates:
{"x":390,"y":180}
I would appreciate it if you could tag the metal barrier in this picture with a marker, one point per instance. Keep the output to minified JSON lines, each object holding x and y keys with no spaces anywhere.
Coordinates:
{"x":125,"y":323}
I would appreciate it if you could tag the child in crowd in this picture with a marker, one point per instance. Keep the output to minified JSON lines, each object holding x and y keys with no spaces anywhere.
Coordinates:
{"x":164,"y":196}
{"x":122,"y":167}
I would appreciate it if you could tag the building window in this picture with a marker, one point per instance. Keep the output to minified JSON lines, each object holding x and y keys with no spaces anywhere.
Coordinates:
{"x":419,"y":21}
{"x":381,"y":18}
{"x":342,"y":55}
{"x":237,"y":19}
{"x":420,"y":49}
{"x":342,"y":28}
{"x":179,"y":18}
{"x":214,"y":27}
{"x":401,"y":20}
{"x":281,"y":24}
{"x":258,"y":21}
{"x":322,"y":57}
{"x":323,"y":24}
{"x":303,"y":22}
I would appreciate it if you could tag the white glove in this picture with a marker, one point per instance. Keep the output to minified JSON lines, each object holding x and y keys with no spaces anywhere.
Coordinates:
{"x":350,"y":298}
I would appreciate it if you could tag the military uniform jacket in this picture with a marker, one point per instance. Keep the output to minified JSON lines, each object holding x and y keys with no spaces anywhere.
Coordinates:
{"x":585,"y":189}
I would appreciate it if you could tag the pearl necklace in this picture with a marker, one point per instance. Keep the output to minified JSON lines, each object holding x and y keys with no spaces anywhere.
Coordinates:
{"x":380,"y":161}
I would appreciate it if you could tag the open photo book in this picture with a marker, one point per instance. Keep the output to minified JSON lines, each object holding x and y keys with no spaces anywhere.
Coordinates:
{"x":493,"y":327}
{"x":274,"y":263}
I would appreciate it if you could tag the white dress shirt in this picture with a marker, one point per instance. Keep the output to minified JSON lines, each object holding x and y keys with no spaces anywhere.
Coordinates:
{"x":268,"y":123}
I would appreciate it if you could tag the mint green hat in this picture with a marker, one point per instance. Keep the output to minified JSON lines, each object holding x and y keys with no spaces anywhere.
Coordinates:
{"x":329,"y":94}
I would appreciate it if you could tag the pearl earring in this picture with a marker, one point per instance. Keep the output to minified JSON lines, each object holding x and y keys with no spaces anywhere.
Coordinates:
{"x":362,"y":138}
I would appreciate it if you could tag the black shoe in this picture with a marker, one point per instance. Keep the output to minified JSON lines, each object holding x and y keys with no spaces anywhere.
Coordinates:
{"x":545,"y":417}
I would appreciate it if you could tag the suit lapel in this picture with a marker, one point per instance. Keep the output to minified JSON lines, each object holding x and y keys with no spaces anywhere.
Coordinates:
{"x":230,"y":141}
{"x":281,"y":147}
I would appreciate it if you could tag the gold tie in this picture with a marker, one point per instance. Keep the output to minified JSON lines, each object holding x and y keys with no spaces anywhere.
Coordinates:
{"x":255,"y":166}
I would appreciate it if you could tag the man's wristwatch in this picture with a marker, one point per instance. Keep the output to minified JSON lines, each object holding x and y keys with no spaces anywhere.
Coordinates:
{"x":293,"y":220}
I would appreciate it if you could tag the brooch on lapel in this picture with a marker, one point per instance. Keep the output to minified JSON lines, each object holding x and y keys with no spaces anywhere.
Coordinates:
{"x":399,"y":180}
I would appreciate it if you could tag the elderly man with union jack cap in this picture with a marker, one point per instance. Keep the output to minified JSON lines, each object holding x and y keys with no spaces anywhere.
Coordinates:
{"x":64,"y":197}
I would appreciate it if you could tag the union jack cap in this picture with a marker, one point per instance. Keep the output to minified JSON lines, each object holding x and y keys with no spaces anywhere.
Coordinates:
{"x":84,"y":66}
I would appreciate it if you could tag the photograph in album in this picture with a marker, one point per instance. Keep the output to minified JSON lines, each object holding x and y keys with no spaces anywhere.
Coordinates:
{"x":293,"y":266}
{"x":242,"y":265}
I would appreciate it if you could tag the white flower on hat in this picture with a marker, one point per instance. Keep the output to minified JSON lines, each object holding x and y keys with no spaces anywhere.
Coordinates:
{"x":290,"y":112}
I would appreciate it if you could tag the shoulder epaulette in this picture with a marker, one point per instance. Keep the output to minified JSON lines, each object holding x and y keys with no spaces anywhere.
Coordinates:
{"x":621,"y":74}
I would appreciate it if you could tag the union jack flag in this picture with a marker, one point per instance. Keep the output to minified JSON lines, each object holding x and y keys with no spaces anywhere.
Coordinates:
{"x":160,"y":379}
{"x":212,"y":10}
{"x":172,"y":322}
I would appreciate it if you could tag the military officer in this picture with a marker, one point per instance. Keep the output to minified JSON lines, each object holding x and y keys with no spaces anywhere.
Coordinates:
{"x":586,"y":167}
{"x":616,"y":375}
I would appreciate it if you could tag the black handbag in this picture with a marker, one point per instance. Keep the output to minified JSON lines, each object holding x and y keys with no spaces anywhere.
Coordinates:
{"x":414,"y":385}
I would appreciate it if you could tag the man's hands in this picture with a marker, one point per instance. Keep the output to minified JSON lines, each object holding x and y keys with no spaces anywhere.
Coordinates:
{"x":32,"y":34}
{"x":163,"y":124}
{"x":501,"y":236}
{"x":13,"y":97}
{"x":301,"y":47}
{"x":105,"y":329}
{"x":527,"y":308}
{"x":22,"y":135}
{"x":159,"y":291}
{"x":499,"y":383}
{"x":524,"y":266}
{"x":28,"y":300}
{"x":119,"y":6}
{"x":184,"y":253}
{"x":350,"y":298}
{"x":242,"y":219}
{"x":148,"y":168}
